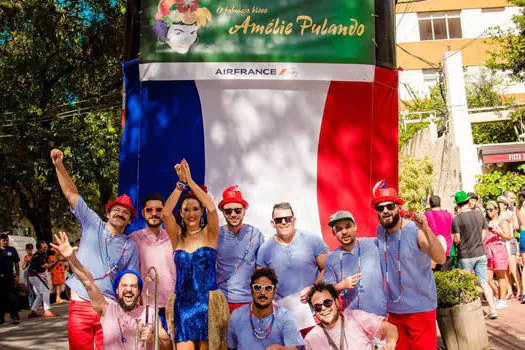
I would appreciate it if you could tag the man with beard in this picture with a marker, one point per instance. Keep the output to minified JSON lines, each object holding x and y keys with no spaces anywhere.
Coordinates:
{"x":155,"y":249}
{"x":121,"y":319}
{"x":352,"y":268}
{"x":263,"y":325}
{"x":104,"y":252}
{"x":351,"y":329}
{"x":407,"y":249}
{"x":298,"y":258}
{"x":237,"y":249}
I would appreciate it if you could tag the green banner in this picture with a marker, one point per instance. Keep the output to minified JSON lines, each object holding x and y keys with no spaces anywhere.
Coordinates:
{"x":286,"y":31}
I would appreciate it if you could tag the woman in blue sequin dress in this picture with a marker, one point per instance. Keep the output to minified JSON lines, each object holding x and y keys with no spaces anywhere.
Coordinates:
{"x":199,"y":316}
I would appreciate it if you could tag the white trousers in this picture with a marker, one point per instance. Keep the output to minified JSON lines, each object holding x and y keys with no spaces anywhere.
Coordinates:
{"x":40,"y":291}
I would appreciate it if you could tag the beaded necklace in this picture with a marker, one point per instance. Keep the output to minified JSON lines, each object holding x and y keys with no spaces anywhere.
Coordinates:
{"x":265,"y":333}
{"x":343,"y":293}
{"x":108,"y":260}
{"x":246,"y":251}
{"x":385,"y":281}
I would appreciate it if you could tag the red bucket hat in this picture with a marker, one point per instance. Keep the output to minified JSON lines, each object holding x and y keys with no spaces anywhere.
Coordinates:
{"x":125,"y":201}
{"x":381,"y":194}
{"x":232,"y":195}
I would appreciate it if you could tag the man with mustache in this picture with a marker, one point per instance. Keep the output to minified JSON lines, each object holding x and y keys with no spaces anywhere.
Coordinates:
{"x":352,"y":267}
{"x":121,"y":319}
{"x":407,"y":249}
{"x":104,"y":252}
{"x":350,"y":329}
{"x":262,"y":324}
{"x":155,"y":249}
{"x":298,"y":258}
{"x":237,"y":249}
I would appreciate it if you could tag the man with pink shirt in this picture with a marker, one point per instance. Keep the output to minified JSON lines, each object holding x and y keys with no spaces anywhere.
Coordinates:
{"x":351,"y":329}
{"x":440,"y":221}
{"x":122,"y":320}
{"x":155,"y":249}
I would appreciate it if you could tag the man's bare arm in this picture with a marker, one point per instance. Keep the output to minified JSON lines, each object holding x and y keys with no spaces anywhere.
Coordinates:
{"x":69,"y":189}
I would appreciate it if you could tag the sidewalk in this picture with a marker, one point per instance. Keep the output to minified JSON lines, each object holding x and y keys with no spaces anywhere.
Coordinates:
{"x":508,"y":331}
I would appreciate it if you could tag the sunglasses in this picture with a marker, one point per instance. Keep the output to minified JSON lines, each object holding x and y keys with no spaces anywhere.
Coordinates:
{"x":149,"y":210}
{"x":389,"y":206}
{"x":280,"y":220}
{"x":259,"y":287}
{"x":230,"y":211}
{"x":326,"y":303}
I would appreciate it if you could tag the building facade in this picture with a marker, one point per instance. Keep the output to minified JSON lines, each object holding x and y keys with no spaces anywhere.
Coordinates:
{"x":428,"y":28}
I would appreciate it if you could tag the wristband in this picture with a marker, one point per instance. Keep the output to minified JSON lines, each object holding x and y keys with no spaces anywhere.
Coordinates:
{"x":181,"y":186}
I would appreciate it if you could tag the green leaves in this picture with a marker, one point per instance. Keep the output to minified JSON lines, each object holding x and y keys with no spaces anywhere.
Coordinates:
{"x":491,"y":185}
{"x":455,"y":287}
{"x":415,"y":181}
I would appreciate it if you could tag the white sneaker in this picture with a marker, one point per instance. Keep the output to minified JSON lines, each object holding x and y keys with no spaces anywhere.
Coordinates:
{"x":501,"y":304}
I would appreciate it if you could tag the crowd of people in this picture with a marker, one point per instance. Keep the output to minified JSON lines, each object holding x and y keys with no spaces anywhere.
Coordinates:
{"x":227,"y":287}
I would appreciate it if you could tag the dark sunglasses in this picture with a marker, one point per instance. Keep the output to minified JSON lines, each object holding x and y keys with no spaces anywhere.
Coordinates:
{"x":326,"y":303}
{"x":230,"y":211}
{"x":285,"y":218}
{"x":149,"y":210}
{"x":389,"y":206}
{"x":259,"y":287}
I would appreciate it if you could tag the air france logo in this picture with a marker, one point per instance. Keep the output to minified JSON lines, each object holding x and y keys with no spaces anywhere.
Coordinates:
{"x":257,"y":72}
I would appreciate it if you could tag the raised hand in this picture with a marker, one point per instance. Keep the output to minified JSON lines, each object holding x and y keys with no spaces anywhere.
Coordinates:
{"x":180,"y":172}
{"x":351,"y":281}
{"x":186,"y":169}
{"x":63,"y":245}
{"x":420,"y":220}
{"x":57,"y":156}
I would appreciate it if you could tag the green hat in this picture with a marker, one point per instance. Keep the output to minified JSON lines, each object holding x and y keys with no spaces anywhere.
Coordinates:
{"x":340,"y":216}
{"x":461,"y":197}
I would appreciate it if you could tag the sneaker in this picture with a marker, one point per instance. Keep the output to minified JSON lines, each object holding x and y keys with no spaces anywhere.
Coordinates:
{"x":523,"y":298}
{"x":501,"y":304}
{"x":492,"y":315}
{"x":49,"y":313}
{"x":33,"y":314}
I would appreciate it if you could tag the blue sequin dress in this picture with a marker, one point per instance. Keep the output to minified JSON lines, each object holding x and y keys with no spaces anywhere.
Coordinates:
{"x":195,"y":285}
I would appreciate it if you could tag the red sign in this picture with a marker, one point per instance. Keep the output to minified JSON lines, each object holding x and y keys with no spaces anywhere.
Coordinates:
{"x":504,"y":158}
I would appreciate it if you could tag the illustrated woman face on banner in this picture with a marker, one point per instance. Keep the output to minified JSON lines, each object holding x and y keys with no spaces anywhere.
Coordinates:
{"x":177,"y":21}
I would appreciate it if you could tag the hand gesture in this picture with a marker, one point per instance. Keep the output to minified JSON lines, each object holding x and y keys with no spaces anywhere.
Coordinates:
{"x":180,"y":173}
{"x":186,"y":169}
{"x":57,"y":156}
{"x":63,"y":245}
{"x":420,"y":220}
{"x":351,"y":281}
{"x":146,"y":333}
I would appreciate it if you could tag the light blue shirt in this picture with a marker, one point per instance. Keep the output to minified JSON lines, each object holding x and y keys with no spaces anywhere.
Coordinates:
{"x":284,"y":330}
{"x":236,"y":256}
{"x":294,"y":263}
{"x":102,"y":255}
{"x":341,"y":264}
{"x":418,"y":292}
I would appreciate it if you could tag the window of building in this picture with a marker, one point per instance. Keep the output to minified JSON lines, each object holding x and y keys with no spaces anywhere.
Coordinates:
{"x":439,"y":25}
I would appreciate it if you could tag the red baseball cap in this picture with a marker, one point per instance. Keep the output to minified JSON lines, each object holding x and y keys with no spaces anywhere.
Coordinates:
{"x":232,"y":195}
{"x":125,"y":201}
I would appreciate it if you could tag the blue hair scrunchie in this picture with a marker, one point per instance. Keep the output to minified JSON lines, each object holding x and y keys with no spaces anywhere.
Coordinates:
{"x":116,"y":281}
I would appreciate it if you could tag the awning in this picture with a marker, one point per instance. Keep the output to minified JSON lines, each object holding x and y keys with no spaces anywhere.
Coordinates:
{"x":502,"y":152}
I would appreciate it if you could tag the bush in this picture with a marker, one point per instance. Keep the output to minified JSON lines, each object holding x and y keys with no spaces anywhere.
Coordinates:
{"x":491,"y":185}
{"x":455,"y":287}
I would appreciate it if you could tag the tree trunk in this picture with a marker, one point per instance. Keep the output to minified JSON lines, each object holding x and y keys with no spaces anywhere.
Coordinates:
{"x":36,"y":208}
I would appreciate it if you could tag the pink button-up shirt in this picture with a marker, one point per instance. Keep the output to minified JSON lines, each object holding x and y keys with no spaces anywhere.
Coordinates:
{"x":120,"y":327}
{"x":360,"y":328}
{"x":156,"y":251}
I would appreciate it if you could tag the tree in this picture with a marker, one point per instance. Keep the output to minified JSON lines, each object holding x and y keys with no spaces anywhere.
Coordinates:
{"x":58,"y":57}
{"x":415,"y":181}
{"x":492,"y":185}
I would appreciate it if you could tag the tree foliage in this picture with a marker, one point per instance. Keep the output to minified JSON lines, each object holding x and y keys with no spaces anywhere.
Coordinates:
{"x":415,"y":181}
{"x":490,"y":186}
{"x":59,"y":60}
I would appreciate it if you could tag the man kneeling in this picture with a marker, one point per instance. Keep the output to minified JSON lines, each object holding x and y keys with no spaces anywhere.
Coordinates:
{"x":120,"y":320}
{"x":351,"y":329}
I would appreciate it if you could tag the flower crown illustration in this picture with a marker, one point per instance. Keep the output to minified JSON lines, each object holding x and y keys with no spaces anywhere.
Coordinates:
{"x":179,"y":12}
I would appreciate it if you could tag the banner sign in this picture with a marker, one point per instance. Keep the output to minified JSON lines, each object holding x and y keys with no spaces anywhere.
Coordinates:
{"x":256,"y":39}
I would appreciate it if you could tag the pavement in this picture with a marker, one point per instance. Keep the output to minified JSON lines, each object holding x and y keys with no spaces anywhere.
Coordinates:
{"x":505,"y":333}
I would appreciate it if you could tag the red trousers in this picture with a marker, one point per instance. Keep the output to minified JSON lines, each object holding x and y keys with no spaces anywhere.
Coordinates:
{"x":83,"y":327}
{"x":417,"y":331}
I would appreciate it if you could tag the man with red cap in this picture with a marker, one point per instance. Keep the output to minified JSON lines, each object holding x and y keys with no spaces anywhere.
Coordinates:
{"x":406,"y":250}
{"x":104,"y":252}
{"x":237,"y":249}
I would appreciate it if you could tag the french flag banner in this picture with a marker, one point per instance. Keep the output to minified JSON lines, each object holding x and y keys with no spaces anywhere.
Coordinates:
{"x":319,"y":139}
